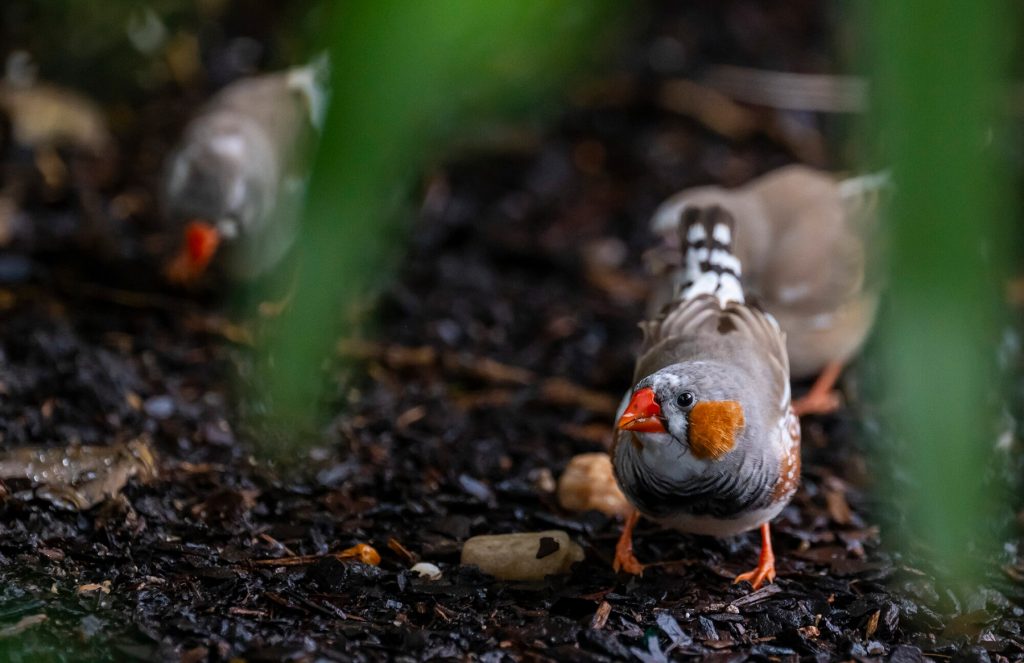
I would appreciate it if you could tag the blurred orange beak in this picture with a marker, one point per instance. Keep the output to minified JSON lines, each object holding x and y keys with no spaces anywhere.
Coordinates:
{"x":643,"y":414}
{"x":200,"y":245}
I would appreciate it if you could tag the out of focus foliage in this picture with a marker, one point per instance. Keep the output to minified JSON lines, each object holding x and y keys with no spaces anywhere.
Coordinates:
{"x":405,"y":76}
{"x":119,"y":50}
{"x":940,"y":99}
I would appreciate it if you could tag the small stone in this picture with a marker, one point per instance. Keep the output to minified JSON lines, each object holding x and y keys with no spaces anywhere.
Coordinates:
{"x":159,"y":407}
{"x":542,"y":480}
{"x":15,"y":268}
{"x":90,"y":626}
{"x":525,"y":556}
{"x":427,"y":570}
{"x":589,"y":484}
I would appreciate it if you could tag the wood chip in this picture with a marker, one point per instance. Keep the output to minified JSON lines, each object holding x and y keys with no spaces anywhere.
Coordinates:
{"x":21,"y":625}
{"x":559,"y":391}
{"x":756,"y":597}
{"x":94,"y":587}
{"x":410,"y":416}
{"x":835,"y":499}
{"x":553,"y":390}
{"x":403,"y":552}
{"x":365,"y":553}
{"x":604,"y":610}
{"x":361,"y":551}
{"x":79,"y":477}
{"x":872,"y":624}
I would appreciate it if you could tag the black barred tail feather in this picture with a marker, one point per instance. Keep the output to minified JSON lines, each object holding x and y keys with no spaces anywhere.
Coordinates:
{"x":710,"y":266}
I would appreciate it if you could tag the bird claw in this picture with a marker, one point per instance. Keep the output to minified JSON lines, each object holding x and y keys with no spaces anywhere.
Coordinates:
{"x":825,"y":402}
{"x":627,"y":562}
{"x":765,"y":571}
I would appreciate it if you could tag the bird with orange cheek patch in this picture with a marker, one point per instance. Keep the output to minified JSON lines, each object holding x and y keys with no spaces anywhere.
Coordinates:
{"x":707,"y":441}
{"x":234,"y":184}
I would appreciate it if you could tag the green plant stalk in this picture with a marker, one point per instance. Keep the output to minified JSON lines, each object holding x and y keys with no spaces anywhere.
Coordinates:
{"x":404,"y":76}
{"x":937,"y":95}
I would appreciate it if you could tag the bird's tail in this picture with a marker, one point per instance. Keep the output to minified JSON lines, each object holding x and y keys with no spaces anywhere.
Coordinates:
{"x":863,"y":196}
{"x":312,"y":80}
{"x":710,"y":266}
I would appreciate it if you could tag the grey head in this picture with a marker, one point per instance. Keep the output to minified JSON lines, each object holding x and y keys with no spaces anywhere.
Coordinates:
{"x":224,"y":172}
{"x":696,"y":436}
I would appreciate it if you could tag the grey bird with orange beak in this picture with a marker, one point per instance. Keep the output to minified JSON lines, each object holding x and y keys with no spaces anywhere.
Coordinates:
{"x":235,"y":182}
{"x":707,"y":441}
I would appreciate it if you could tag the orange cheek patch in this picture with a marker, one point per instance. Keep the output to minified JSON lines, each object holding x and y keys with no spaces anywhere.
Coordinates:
{"x":713,"y":428}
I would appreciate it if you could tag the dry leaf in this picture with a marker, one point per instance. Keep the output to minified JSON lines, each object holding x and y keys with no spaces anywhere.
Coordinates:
{"x":78,"y":477}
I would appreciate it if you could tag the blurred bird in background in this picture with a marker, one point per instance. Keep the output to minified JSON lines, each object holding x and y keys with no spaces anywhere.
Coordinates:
{"x":801,"y":236}
{"x":234,"y":184}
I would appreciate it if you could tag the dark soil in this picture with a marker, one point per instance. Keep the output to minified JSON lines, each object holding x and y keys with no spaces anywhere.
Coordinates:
{"x":528,"y":257}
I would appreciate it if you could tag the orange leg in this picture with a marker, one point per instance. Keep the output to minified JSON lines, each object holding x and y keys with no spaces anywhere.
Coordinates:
{"x":766,"y":564}
{"x":625,"y":560}
{"x":822,"y":398}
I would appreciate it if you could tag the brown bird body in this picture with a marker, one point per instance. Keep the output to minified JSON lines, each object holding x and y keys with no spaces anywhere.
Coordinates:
{"x":801,"y":237}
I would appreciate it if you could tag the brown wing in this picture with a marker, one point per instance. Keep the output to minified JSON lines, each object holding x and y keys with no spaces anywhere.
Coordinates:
{"x":701,"y":329}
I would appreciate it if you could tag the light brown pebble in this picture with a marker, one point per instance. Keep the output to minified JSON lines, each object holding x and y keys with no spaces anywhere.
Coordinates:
{"x":589,"y":484}
{"x":522,"y":556}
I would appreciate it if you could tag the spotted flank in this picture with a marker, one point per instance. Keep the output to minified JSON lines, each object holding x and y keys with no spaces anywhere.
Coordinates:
{"x":711,"y":268}
{"x":789,"y":468}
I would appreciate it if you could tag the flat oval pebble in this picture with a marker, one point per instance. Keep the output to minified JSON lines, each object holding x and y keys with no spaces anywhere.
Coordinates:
{"x":522,"y":556}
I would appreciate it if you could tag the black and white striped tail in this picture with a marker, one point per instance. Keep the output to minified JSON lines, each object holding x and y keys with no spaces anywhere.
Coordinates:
{"x":710,"y":267}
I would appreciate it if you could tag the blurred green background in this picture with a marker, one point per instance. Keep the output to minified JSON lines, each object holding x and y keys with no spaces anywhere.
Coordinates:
{"x":941,"y":107}
{"x":407,"y":76}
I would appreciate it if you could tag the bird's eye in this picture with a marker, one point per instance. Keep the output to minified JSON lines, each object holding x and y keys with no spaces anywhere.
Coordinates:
{"x":685,"y":399}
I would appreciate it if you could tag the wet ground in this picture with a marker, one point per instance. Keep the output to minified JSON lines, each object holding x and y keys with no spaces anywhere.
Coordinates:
{"x":498,"y":351}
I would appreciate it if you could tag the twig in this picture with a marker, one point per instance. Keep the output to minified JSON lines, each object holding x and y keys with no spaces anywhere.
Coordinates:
{"x":601,"y":616}
{"x":552,"y":390}
{"x":22,"y":624}
{"x":826,"y":93}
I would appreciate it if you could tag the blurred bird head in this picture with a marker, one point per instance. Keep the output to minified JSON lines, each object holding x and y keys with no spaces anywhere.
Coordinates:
{"x":221,"y":181}
{"x":200,"y":242}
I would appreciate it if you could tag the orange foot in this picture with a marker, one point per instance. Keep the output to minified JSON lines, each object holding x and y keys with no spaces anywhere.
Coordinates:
{"x":625,"y":560}
{"x":822,"y":398}
{"x":825,"y":402}
{"x":765,"y":570}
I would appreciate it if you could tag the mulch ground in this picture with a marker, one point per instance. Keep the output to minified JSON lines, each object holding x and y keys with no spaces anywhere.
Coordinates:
{"x":498,"y":351}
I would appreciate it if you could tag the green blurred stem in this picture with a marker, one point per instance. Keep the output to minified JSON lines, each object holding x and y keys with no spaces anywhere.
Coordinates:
{"x":404,"y":76}
{"x":938,"y":67}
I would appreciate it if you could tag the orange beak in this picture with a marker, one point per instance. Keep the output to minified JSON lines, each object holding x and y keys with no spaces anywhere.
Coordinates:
{"x":643,"y":414}
{"x":201,"y":242}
